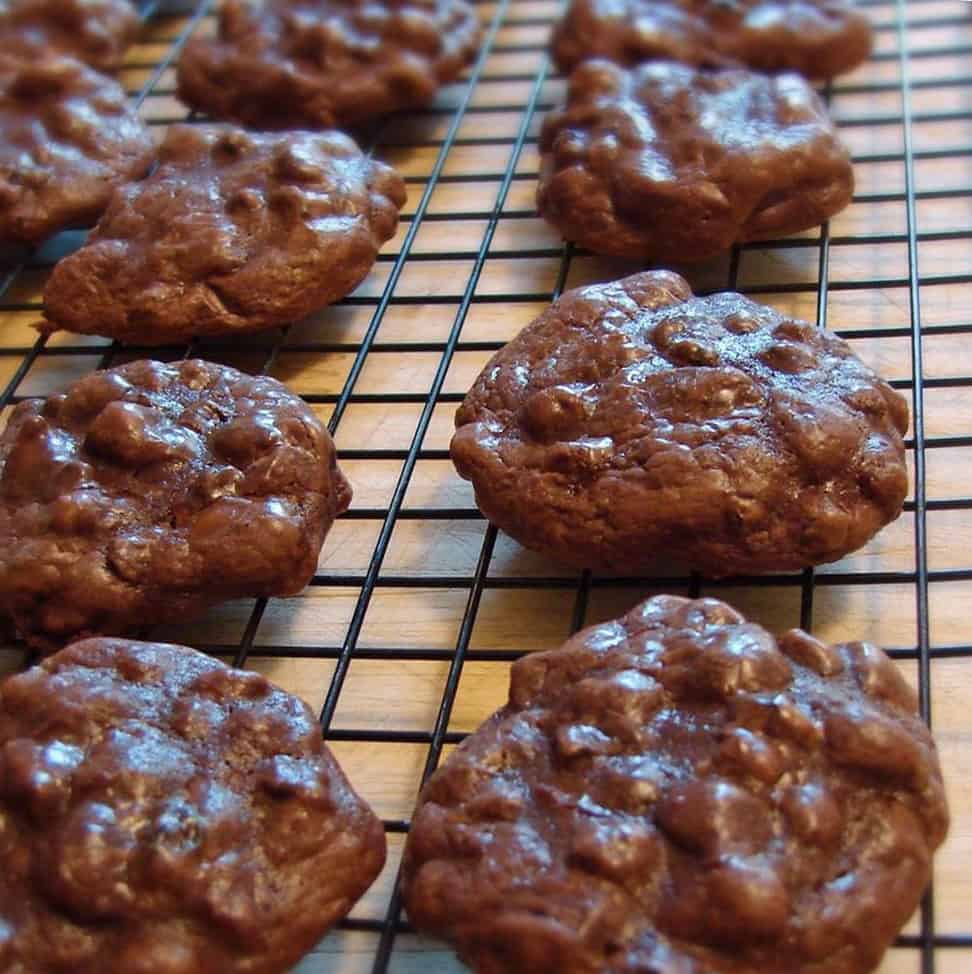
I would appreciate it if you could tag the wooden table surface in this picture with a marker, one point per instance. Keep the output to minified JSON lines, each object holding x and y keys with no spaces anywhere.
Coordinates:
{"x":417,"y":604}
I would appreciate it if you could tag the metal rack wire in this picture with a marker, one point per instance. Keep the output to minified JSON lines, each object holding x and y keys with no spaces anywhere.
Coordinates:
{"x":471,"y":265}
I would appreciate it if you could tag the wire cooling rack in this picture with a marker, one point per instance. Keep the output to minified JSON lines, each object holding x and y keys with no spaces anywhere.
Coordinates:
{"x":404,"y":639}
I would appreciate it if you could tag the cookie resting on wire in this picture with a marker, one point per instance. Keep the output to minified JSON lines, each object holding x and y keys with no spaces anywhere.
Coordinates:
{"x":668,"y":164}
{"x":326,"y":63}
{"x":232,"y":232}
{"x":150,"y":491}
{"x":97,"y":32}
{"x":816,"y":38}
{"x":161,"y":813}
{"x":68,"y":137}
{"x":679,"y":792}
{"x":633,"y":425}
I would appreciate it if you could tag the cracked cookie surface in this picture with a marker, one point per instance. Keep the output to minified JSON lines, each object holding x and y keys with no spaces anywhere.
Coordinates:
{"x":679,"y":792}
{"x":633,"y":424}
{"x":817,"y":38}
{"x":323,"y":63}
{"x":233,"y":232}
{"x":68,"y":137}
{"x":161,"y":813}
{"x":151,"y":491}
{"x":668,"y":164}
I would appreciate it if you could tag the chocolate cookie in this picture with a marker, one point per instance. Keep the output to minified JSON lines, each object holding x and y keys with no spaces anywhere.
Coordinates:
{"x":98,"y":32}
{"x":162,"y":813}
{"x":149,"y":492}
{"x":817,"y":38}
{"x":632,"y":423}
{"x":668,"y":164}
{"x":67,"y":137}
{"x":232,"y":232}
{"x":323,"y":63}
{"x":677,"y":792}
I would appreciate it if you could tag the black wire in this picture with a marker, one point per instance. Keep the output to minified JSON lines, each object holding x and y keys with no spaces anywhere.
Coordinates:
{"x":908,"y":119}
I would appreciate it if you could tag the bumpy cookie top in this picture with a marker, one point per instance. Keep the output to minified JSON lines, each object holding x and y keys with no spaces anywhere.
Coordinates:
{"x":678,"y":792}
{"x":234,"y":231}
{"x":161,"y":813}
{"x":67,"y":137}
{"x":633,"y":421}
{"x":818,"y":38}
{"x":148,"y":492}
{"x":666,"y":163}
{"x":97,"y":32}
{"x":323,"y":63}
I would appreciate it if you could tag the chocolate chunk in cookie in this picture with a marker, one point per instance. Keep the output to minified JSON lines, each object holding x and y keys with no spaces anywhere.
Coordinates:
{"x":677,"y":791}
{"x":68,"y":137}
{"x":161,"y":813}
{"x":633,"y":423}
{"x":148,"y":492}
{"x":98,"y":32}
{"x":322,"y":63}
{"x":817,"y":38}
{"x":232,"y":232}
{"x":665,"y":163}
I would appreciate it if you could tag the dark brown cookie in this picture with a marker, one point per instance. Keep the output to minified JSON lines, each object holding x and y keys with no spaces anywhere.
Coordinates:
{"x":231,"y":233}
{"x":668,"y":164}
{"x":632,"y":423}
{"x":677,"y":792}
{"x":161,"y":813}
{"x":98,"y":32}
{"x":149,"y":492}
{"x":323,"y":63}
{"x":817,"y":38}
{"x":68,"y":137}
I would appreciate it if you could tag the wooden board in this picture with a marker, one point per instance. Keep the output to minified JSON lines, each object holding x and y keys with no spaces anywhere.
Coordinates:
{"x":397,"y":575}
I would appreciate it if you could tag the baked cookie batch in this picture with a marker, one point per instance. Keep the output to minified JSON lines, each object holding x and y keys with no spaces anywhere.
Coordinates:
{"x":673,"y":792}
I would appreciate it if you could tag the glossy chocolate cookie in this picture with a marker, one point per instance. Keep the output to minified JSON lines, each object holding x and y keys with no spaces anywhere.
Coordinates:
{"x":98,"y":32}
{"x":677,"y":792}
{"x":323,"y":63}
{"x":233,"y":232}
{"x":161,"y":813}
{"x":817,"y":38}
{"x":665,"y":163}
{"x":148,"y":492}
{"x":633,"y":423}
{"x":68,"y":137}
